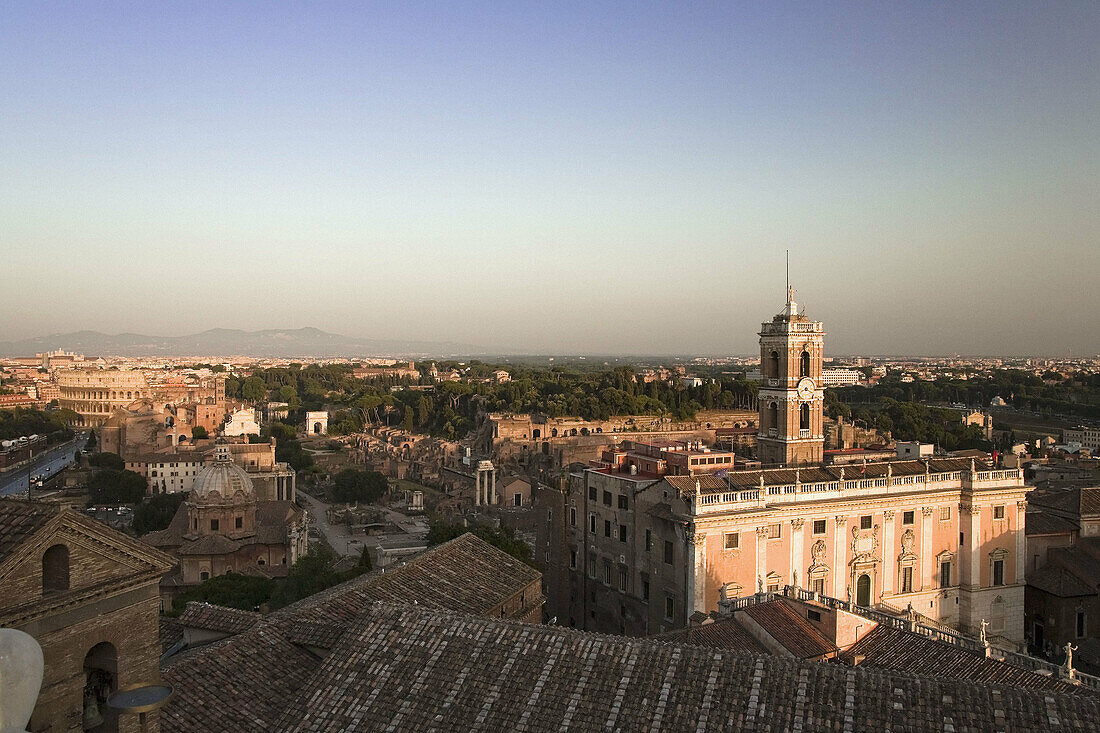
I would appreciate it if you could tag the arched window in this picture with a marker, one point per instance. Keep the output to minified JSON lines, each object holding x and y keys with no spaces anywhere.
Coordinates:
{"x":773,"y":415}
{"x":55,"y":569}
{"x":100,"y":680}
{"x":773,"y":365}
{"x":804,"y":416}
{"x":804,"y":371}
{"x":204,"y":575}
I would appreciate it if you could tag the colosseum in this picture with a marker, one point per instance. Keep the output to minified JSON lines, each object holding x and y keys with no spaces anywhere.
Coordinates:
{"x":94,"y":394}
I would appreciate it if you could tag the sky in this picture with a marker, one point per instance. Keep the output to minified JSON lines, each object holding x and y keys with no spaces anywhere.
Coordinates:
{"x":556,"y":177}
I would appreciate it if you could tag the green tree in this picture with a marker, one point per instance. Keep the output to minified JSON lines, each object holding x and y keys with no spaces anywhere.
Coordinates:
{"x":156,"y":512}
{"x":254,"y":389}
{"x":116,"y":487}
{"x":243,"y":592}
{"x":199,"y":432}
{"x":503,"y":538}
{"x":112,"y":461}
{"x":351,"y":485}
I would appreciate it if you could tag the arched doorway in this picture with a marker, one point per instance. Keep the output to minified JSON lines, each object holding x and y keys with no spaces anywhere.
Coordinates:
{"x":316,"y":428}
{"x":100,"y":680}
{"x":863,"y":590}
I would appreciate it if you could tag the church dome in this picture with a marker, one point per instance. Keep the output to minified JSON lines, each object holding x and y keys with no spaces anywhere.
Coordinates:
{"x":222,"y":479}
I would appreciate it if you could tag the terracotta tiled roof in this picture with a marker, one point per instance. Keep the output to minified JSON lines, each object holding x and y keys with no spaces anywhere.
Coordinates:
{"x":209,"y":617}
{"x":1090,"y":500}
{"x":19,"y":520}
{"x":211,"y":544}
{"x":171,"y":633}
{"x":1041,"y":522}
{"x":404,"y":668}
{"x":888,"y":648}
{"x":241,"y":684}
{"x":788,"y":628}
{"x":724,"y":633}
{"x":465,"y":574}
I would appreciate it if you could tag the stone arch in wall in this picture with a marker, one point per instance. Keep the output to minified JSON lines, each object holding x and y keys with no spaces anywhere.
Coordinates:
{"x":100,"y":681}
{"x":55,"y":569}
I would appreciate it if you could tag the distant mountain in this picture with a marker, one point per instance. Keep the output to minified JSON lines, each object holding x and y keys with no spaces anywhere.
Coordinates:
{"x":273,"y":343}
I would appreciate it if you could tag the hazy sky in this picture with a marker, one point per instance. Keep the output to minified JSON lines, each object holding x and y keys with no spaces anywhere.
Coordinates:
{"x":554,"y":176}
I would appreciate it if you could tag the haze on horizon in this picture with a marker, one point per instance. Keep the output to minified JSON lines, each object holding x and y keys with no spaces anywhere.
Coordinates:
{"x":555,"y":177}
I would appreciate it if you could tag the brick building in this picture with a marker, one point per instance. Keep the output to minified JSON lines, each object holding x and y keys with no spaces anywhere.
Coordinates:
{"x":88,"y":595}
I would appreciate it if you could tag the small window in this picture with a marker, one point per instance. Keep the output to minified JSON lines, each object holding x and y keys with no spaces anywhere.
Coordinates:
{"x":999,"y":511}
{"x":648,"y":541}
{"x":592,"y":523}
{"x":572,"y":516}
{"x":731,"y":540}
{"x":945,"y":574}
{"x":606,"y":528}
{"x":213,"y":525}
{"x":607,"y":498}
{"x":813,"y":615}
{"x":592,"y":493}
{"x":670,"y":608}
{"x":572,"y":559}
{"x":622,"y":580}
{"x":668,"y":552}
{"x":622,"y":533}
{"x":607,"y":573}
{"x":238,"y":523}
{"x":819,"y":586}
{"x":998,"y":572}
{"x":866,"y":521}
{"x":645,"y":590}
{"x":775,"y":531}
{"x":819,"y":526}
{"x":204,"y":575}
{"x":945,"y":513}
{"x":624,"y":503}
{"x":591,"y":567}
{"x":907,"y":517}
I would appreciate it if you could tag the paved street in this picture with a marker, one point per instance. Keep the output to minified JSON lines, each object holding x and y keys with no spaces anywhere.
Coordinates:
{"x":51,"y":462}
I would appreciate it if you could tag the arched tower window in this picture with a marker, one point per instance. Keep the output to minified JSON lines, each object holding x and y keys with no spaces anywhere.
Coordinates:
{"x":773,"y":365}
{"x":804,"y":371}
{"x":804,"y":416}
{"x":55,"y":569}
{"x":773,"y":415}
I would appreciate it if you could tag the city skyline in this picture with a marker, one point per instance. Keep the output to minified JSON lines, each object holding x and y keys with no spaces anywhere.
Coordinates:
{"x":613,"y":179}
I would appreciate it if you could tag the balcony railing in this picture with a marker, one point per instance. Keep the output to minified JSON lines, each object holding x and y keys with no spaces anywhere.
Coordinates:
{"x":804,"y":433}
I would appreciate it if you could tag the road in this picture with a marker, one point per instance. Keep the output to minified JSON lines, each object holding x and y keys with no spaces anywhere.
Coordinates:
{"x":49,"y":462}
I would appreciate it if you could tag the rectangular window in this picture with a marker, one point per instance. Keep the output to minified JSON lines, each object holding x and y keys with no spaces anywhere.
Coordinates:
{"x":238,"y":522}
{"x":819,"y":526}
{"x":624,"y":503}
{"x":607,"y":498}
{"x":670,"y":608}
{"x":907,"y":517}
{"x":774,"y":531}
{"x":592,"y":493}
{"x":962,"y":539}
{"x":213,"y":525}
{"x":592,"y":567}
{"x":819,"y":586}
{"x":945,"y":574}
{"x":648,"y":541}
{"x":607,"y":573}
{"x":731,"y":540}
{"x":1080,"y":624}
{"x":573,"y":516}
{"x":668,"y":552}
{"x":622,"y":533}
{"x":607,"y":528}
{"x":866,"y":521}
{"x":813,"y":615}
{"x":572,"y":559}
{"x":622,"y":580}
{"x":999,"y":511}
{"x":592,"y":523}
{"x":998,"y":572}
{"x":945,"y":513}
{"x":907,"y":579}
{"x":645,"y":590}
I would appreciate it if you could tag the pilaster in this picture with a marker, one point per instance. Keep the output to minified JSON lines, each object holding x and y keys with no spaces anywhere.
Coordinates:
{"x":889,"y":552}
{"x":798,"y":529}
{"x":839,"y":570}
{"x":926,"y":547}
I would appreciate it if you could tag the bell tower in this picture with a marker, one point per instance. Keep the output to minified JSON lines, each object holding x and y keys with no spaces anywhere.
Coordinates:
{"x":791,"y":394}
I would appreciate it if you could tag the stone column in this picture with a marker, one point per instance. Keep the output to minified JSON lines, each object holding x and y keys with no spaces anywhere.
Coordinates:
{"x":926,"y":547}
{"x":1021,"y":542}
{"x":798,"y":566}
{"x":493,"y":486}
{"x":477,"y":488}
{"x":840,"y":569}
{"x":698,"y":587}
{"x":761,"y":557}
{"x":889,"y":552}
